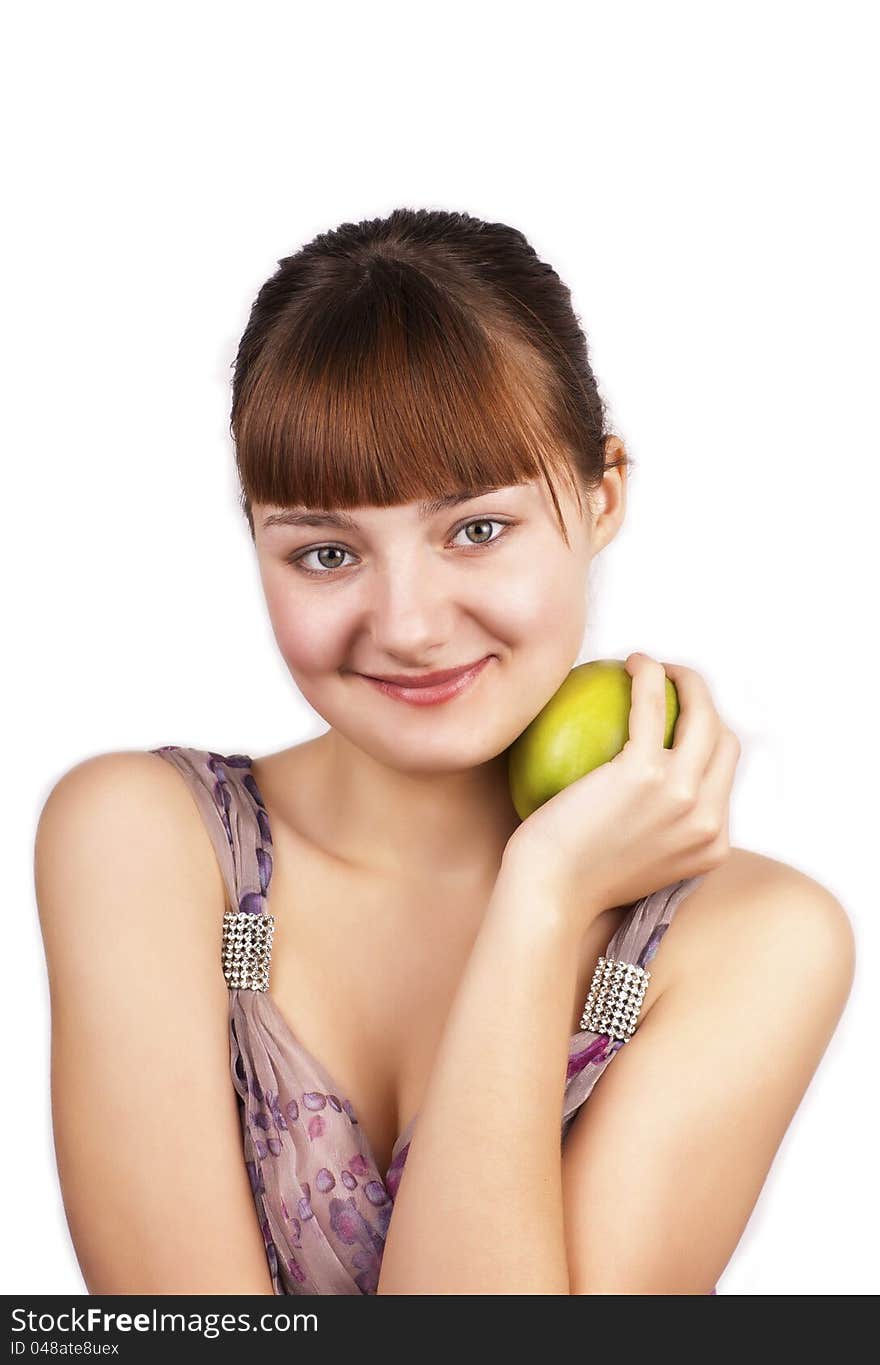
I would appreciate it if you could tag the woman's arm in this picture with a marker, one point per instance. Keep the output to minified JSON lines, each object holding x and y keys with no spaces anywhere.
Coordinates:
{"x":147,"y":1132}
{"x":479,"y":1207}
{"x":662,"y":1168}
{"x":692,"y":1111}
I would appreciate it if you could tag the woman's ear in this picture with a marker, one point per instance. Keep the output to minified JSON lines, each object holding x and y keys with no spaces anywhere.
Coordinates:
{"x":609,"y":499}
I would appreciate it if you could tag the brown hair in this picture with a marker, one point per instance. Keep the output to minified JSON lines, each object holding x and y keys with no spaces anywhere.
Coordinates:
{"x":410,"y":357}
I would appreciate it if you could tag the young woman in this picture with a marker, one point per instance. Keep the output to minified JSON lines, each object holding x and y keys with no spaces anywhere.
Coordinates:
{"x":427,"y":475}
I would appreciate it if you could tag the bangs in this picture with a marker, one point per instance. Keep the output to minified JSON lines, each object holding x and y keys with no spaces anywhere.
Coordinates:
{"x":391,"y":390}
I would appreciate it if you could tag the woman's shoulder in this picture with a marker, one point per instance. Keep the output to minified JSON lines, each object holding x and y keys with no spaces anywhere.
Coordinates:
{"x":130,"y":904}
{"x":753,"y":905}
{"x":126,"y":785}
{"x":125,"y":814}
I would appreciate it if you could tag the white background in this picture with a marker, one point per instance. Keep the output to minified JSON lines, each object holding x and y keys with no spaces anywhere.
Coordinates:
{"x":703,"y":178}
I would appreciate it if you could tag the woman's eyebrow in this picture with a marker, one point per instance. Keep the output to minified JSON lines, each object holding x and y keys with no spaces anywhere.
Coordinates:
{"x":342,"y":519}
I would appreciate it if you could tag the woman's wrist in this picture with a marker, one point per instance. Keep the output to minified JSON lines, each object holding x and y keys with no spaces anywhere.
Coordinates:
{"x":530,"y":897}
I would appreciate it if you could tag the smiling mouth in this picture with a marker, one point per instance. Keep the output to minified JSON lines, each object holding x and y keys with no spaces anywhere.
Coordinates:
{"x":421,"y":694}
{"x":424,"y":679}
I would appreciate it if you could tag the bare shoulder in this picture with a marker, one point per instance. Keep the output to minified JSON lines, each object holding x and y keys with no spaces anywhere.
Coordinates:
{"x":130,"y":895}
{"x":752,"y":975}
{"x":114,"y":805}
{"x":756,"y":905}
{"x":133,"y":780}
{"x":121,"y":851}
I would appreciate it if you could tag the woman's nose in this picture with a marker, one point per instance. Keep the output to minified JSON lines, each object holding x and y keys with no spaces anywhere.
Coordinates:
{"x":410,"y":611}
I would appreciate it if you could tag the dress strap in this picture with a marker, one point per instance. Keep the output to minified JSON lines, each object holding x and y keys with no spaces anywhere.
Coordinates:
{"x":636,"y":940}
{"x":236,"y":820}
{"x":639,"y":936}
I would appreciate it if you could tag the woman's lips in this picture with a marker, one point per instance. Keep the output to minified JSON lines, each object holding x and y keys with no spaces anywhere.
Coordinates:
{"x":429,"y":696}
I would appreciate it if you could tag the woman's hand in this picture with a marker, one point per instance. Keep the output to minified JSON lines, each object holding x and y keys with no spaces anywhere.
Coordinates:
{"x":645,"y":819}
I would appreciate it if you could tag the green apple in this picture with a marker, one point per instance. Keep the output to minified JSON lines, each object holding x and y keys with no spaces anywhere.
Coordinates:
{"x":584,"y":724}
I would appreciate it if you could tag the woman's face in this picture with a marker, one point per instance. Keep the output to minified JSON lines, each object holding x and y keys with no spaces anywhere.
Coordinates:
{"x":413,"y":591}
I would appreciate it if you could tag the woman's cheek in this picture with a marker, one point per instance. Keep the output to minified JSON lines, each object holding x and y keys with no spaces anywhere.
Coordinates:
{"x":538,"y":607}
{"x":305,"y":636}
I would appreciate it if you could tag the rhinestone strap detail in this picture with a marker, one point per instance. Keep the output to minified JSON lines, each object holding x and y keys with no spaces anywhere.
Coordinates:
{"x":615,"y":999}
{"x":247,"y":949}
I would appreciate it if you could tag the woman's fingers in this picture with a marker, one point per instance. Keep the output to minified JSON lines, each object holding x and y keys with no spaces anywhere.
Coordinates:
{"x":718,"y":783}
{"x":698,"y":725}
{"x":647,"y":715}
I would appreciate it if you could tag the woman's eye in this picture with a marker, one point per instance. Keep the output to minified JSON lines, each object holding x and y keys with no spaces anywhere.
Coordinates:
{"x":337,"y":554}
{"x":299,"y":558}
{"x":482,"y":522}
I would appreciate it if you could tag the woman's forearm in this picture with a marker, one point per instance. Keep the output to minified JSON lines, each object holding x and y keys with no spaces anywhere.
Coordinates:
{"x":479,"y":1208}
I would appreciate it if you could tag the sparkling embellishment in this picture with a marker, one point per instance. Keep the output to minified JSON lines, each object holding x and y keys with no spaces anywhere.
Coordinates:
{"x":616,"y":994}
{"x":247,"y":949}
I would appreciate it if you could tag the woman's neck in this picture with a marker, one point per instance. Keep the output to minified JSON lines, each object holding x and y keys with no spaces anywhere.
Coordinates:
{"x":449,"y":826}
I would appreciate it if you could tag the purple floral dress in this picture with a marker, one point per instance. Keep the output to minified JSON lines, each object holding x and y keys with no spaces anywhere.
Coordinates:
{"x":321,"y":1201}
